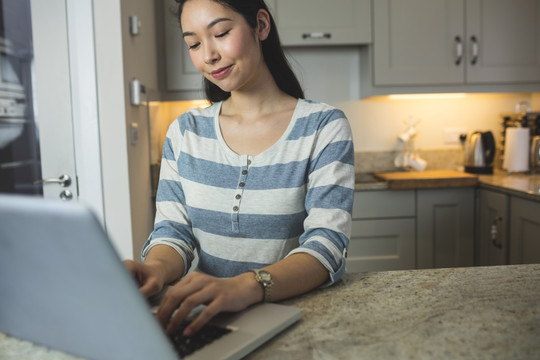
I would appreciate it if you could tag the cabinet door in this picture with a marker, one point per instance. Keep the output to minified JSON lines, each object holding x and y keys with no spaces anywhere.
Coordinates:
{"x":445,"y":228}
{"x":383,"y":204}
{"x":323,"y":22}
{"x":493,"y":228}
{"x":379,"y":245}
{"x":503,"y":38}
{"x":418,"y":42}
{"x":180,"y":74}
{"x":524,"y":231}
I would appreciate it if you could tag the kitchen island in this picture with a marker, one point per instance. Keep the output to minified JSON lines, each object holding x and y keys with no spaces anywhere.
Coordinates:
{"x":454,"y":313}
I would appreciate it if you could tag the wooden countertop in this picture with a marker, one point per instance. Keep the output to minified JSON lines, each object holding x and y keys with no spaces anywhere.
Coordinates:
{"x":401,"y":180}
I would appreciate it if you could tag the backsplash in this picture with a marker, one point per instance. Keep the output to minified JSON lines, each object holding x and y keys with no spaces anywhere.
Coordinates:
{"x":373,"y":161}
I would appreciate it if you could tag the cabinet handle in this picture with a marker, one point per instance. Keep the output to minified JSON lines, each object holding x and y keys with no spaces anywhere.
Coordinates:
{"x":459,"y":50}
{"x":495,"y":231}
{"x":474,"y":42}
{"x":316,"y":35}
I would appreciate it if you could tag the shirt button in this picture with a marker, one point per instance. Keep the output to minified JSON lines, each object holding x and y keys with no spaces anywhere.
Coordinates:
{"x":242,"y":184}
{"x":235,"y":208}
{"x":244,"y":172}
{"x":249,"y":162}
{"x":238,"y":196}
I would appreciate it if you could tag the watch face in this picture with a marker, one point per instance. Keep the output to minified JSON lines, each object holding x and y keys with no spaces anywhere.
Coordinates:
{"x":265,"y":276}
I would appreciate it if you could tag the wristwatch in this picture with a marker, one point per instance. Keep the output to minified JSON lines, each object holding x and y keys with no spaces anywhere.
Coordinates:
{"x":264,"y":278}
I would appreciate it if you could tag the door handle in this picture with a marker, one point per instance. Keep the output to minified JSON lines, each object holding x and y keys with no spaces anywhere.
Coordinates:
{"x":459,"y":50}
{"x":63,"y":180}
{"x":474,"y":42}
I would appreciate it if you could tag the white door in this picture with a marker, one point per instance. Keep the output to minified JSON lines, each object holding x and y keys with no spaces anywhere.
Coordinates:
{"x":49,"y":126}
{"x":53,"y":102}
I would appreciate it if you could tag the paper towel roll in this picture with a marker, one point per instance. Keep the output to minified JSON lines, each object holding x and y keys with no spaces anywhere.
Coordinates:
{"x":516,"y":150}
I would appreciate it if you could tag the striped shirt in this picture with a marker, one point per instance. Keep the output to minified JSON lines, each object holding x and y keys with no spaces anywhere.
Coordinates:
{"x":241,"y":212}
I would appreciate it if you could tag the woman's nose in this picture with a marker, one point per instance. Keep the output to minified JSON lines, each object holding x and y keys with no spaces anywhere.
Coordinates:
{"x":211,"y":56}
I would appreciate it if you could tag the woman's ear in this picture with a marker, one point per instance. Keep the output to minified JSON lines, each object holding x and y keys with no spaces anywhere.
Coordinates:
{"x":263,"y":24}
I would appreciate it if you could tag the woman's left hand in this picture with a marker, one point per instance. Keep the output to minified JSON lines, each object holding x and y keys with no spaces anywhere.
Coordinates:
{"x":219,"y":294}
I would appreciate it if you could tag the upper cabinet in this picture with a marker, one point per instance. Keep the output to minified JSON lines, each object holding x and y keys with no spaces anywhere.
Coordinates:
{"x":299,"y":22}
{"x":446,"y":42}
{"x":322,"y":22}
{"x":180,"y":74}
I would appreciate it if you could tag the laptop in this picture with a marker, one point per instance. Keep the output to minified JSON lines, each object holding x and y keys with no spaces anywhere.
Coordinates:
{"x":63,"y":286}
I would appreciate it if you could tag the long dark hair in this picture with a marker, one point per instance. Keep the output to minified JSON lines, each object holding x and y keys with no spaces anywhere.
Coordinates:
{"x":273,"y":54}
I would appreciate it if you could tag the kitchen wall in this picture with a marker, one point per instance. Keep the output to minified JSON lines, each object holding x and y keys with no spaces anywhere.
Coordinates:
{"x":376,"y":122}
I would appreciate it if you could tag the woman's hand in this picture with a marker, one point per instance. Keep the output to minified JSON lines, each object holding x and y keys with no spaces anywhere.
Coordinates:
{"x":149,"y":276}
{"x":219,"y":294}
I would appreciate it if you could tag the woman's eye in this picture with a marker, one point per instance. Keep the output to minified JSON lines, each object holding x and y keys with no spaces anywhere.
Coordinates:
{"x":223,"y":34}
{"x":193,"y":46}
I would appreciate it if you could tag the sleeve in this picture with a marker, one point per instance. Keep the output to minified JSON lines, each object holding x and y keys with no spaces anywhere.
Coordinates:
{"x":172,"y":226}
{"x":329,"y":197}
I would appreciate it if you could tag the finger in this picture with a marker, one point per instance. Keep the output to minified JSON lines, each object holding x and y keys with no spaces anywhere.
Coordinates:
{"x":149,"y":287}
{"x":172,"y":300}
{"x":203,"y":318}
{"x":190,"y":303}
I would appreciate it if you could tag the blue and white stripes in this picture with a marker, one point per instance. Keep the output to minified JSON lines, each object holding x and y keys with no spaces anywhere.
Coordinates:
{"x":241,"y":212}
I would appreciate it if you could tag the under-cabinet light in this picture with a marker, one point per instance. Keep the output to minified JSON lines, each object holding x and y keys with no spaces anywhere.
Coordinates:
{"x":426,"y":96}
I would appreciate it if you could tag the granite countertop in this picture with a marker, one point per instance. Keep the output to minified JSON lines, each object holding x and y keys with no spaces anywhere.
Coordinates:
{"x":458,"y":313}
{"x":523,"y":185}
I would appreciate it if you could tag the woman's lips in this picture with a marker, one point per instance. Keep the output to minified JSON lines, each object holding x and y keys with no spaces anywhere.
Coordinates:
{"x":221,"y":73}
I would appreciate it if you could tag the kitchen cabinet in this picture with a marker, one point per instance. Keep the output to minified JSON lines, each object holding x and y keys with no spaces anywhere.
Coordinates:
{"x":456,"y":42}
{"x":524,"y":231}
{"x":383,"y":231}
{"x":445,"y":227}
{"x":180,"y":74}
{"x":493,"y":224}
{"x":338,"y":22}
{"x":323,"y":22}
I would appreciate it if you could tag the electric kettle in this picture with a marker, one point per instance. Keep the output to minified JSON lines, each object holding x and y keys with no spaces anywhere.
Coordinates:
{"x":535,"y":155}
{"x":479,"y":153}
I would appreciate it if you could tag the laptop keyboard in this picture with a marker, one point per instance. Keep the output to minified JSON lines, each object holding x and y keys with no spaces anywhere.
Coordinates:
{"x":185,"y":345}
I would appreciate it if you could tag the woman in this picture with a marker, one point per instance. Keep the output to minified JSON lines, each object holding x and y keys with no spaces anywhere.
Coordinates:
{"x":259,"y":184}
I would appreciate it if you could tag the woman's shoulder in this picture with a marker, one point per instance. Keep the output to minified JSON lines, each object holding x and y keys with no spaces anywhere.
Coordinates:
{"x":196,"y":117}
{"x":310,"y":107}
{"x":200,"y":111}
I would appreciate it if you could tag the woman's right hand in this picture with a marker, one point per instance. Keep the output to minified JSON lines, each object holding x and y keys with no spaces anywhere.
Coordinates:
{"x":149,"y":277}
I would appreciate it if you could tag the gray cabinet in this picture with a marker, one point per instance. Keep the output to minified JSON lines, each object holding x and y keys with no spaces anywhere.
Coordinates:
{"x":524,"y":231}
{"x":493,"y":224}
{"x":323,"y":22}
{"x":456,"y":42}
{"x":383,"y":231}
{"x":299,"y":22}
{"x":180,"y":74}
{"x":445,"y":228}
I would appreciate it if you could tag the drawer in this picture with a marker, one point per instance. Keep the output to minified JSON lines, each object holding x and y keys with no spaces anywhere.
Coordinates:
{"x":380,"y":245}
{"x":384,"y":204}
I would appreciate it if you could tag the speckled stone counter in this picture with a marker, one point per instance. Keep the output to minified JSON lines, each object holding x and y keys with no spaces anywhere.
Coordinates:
{"x":522,"y":185}
{"x":460,"y":313}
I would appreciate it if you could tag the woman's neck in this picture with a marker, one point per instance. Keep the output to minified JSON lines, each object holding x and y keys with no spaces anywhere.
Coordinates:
{"x":261,"y":98}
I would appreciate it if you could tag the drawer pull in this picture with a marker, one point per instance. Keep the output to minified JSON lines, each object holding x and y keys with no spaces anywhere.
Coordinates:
{"x":316,"y":35}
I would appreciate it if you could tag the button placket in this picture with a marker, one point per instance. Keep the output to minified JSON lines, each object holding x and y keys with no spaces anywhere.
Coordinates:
{"x":240,"y":192}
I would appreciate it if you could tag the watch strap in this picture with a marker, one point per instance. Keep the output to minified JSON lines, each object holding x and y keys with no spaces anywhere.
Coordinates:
{"x":264,"y":278}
